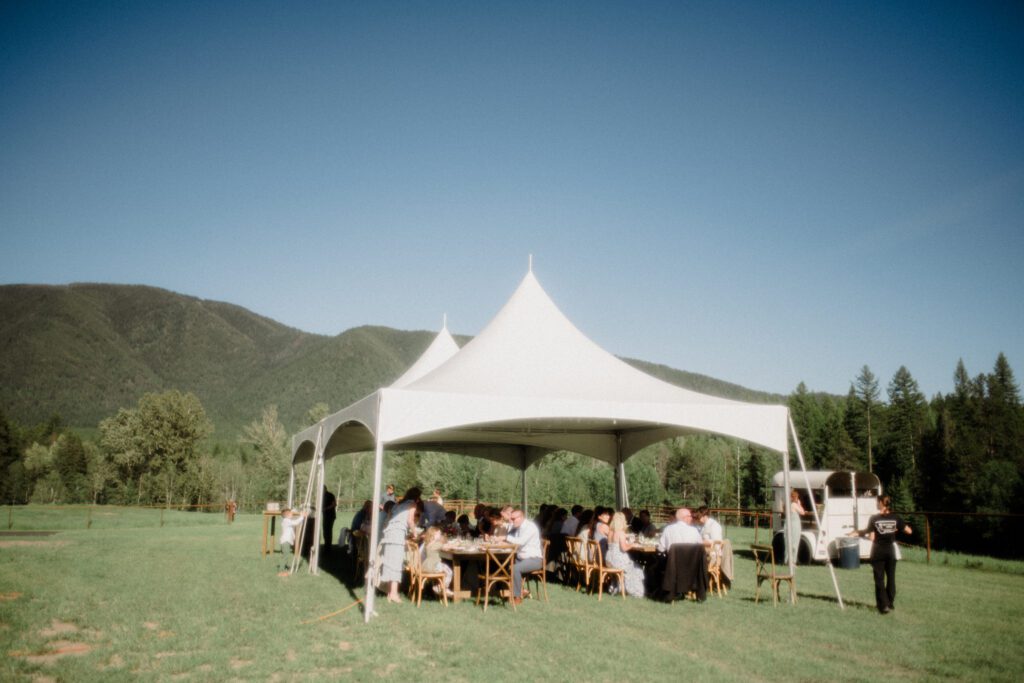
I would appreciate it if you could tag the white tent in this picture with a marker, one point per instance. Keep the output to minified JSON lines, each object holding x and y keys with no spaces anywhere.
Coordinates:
{"x":529,"y":384}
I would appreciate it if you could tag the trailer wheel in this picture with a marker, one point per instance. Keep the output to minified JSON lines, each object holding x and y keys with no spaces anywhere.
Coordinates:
{"x":803,"y":554}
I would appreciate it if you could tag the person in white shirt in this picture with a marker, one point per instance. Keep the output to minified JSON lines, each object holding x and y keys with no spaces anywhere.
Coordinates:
{"x":529,"y":557}
{"x":710,"y":529}
{"x":289,"y":523}
{"x":679,"y":531}
{"x":572,"y":523}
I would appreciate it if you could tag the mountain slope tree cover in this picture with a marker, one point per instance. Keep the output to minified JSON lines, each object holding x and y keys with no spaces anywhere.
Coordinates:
{"x":111,"y":393}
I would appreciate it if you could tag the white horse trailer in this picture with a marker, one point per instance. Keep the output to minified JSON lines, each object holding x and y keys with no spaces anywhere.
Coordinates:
{"x":845,"y":501}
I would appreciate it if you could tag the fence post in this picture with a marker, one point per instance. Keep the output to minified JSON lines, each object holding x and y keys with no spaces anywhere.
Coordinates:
{"x":10,"y":517}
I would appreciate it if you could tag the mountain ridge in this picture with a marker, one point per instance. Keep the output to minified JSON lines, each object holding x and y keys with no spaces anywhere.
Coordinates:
{"x":84,"y":350}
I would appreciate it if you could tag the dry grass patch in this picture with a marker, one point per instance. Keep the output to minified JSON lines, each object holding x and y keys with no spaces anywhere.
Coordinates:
{"x":58,"y":649}
{"x":13,"y":595}
{"x":58,"y":628}
{"x":33,"y":544}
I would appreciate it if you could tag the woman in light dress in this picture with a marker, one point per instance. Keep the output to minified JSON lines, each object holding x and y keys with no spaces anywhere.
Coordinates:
{"x":618,"y":556}
{"x":396,"y":530}
{"x":794,"y":525}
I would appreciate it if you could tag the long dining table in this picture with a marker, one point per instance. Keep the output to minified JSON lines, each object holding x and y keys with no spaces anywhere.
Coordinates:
{"x":460,"y":554}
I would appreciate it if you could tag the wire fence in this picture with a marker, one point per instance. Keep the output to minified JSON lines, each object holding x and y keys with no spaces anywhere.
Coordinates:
{"x":981,"y":533}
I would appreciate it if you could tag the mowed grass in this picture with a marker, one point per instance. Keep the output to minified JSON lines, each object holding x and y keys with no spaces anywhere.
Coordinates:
{"x":198,"y":602}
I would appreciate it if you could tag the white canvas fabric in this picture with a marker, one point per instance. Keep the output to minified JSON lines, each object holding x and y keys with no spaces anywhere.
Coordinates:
{"x":528,"y":384}
{"x":440,"y":350}
{"x":531,"y":383}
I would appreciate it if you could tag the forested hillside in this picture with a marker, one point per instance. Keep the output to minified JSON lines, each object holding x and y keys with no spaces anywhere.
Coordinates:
{"x":83,"y":351}
{"x":152,"y":375}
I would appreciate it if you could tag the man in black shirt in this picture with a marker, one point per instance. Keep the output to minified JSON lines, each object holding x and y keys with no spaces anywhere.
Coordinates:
{"x":882,"y":529}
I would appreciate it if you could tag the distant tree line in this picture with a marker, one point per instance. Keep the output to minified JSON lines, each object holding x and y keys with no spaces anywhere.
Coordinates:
{"x":963,"y":452}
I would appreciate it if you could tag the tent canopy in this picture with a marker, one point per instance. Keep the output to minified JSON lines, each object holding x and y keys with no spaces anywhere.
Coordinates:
{"x":529,"y":384}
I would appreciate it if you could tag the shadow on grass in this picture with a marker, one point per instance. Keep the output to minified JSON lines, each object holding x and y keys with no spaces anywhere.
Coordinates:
{"x":822,"y":597}
{"x":340,"y":565}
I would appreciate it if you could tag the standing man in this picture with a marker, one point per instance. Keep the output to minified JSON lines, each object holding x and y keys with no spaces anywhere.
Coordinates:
{"x":526,"y":537}
{"x":882,"y":529}
{"x":330,"y":514}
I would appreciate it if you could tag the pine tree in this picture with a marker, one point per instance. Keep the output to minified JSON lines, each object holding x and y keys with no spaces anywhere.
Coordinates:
{"x":907,"y":412}
{"x":809,"y":420}
{"x":867,"y":401}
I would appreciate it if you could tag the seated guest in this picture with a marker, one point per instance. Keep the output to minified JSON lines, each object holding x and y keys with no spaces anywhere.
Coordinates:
{"x":483,"y":522}
{"x":628,"y":514}
{"x":430,"y":549}
{"x":646,"y":527}
{"x":506,"y":521}
{"x":636,"y":525}
{"x":710,"y":529}
{"x":679,"y":531}
{"x":571,"y":525}
{"x":543,"y":516}
{"x":525,"y":535}
{"x":618,"y":556}
{"x":362,"y":514}
{"x":599,"y":529}
{"x":494,"y":524}
{"x":555,"y":524}
{"x":462,"y":523}
{"x":586,"y":517}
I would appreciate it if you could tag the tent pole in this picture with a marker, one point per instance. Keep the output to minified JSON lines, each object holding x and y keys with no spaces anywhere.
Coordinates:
{"x":522,"y":466}
{"x":787,"y":510}
{"x":291,"y":485}
{"x":814,"y":508}
{"x":373,"y":570}
{"x":314,"y":552}
{"x":621,"y":482}
{"x":306,"y":503}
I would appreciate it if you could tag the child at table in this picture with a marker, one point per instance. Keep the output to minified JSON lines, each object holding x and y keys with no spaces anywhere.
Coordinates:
{"x":433,"y":541}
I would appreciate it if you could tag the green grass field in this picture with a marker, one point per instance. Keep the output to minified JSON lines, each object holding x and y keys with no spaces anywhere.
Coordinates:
{"x":194,"y":600}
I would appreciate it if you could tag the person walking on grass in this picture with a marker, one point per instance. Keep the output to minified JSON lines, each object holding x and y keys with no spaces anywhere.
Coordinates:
{"x":882,"y":529}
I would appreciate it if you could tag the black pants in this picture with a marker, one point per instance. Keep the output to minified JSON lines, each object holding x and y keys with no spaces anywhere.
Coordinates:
{"x":328,"y":530}
{"x":884,"y":569}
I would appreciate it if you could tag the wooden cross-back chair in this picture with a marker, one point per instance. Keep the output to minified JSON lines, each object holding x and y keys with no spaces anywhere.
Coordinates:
{"x":599,"y":572}
{"x":715,"y":567}
{"x":540,"y":576}
{"x":574,"y":565}
{"x":418,"y":577}
{"x":362,"y":562}
{"x":764,"y":564}
{"x":498,"y":567}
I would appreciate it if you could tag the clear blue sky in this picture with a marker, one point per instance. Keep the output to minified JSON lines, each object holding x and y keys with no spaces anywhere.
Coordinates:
{"x":766,"y":193}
